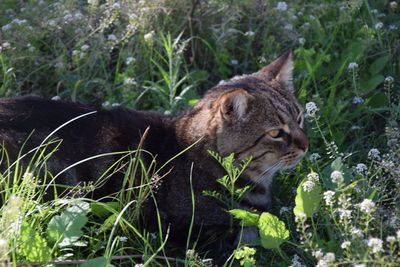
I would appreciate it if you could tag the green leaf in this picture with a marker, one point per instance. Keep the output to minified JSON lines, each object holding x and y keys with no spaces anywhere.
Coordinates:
{"x":307,"y":202}
{"x":378,"y":100}
{"x":336,"y":165}
{"x":247,"y":218}
{"x":371,"y":84}
{"x":379,"y":64}
{"x":273,"y":231}
{"x":103,"y":209}
{"x":32,"y":246}
{"x":96,"y":262}
{"x":65,"y":229}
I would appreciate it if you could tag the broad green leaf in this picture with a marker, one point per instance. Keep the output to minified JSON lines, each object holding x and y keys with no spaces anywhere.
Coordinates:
{"x":103,"y":209}
{"x":32,"y":246}
{"x":379,"y":64}
{"x":247,"y":218}
{"x":371,"y":84}
{"x":65,"y":229}
{"x":307,"y":202}
{"x":108,"y":223}
{"x":96,"y":262}
{"x":336,"y":165}
{"x":273,"y":231}
{"x":378,"y":100}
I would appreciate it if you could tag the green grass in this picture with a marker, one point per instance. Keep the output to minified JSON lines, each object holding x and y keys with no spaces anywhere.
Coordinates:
{"x":162,"y":55}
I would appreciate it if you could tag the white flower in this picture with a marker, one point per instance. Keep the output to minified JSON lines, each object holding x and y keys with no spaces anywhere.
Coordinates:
{"x":301,"y":40}
{"x":288,"y":27}
{"x":6,"y":45}
{"x":85,"y":47}
{"x":398,"y":234}
{"x":352,"y":65}
{"x":378,"y":26}
{"x":329,"y":257}
{"x":367,"y":206}
{"x":344,"y":214}
{"x":123,"y":239}
{"x":130,"y":81}
{"x":361,"y":167}
{"x":311,"y":109}
{"x":78,"y":15}
{"x":234,"y":62}
{"x":28,"y":175}
{"x":358,"y":100}
{"x":301,"y":217}
{"x":283,"y":210}
{"x":318,"y":254}
{"x":116,"y":5}
{"x":281,"y":6}
{"x":392,"y":27}
{"x":129,"y":60}
{"x":112,"y":37}
{"x":249,"y":33}
{"x":337,"y":177}
{"x":75,"y":52}
{"x":3,"y":243}
{"x":328,"y":196}
{"x":82,"y":55}
{"x":374,"y":154}
{"x":345,"y":244}
{"x":313,"y":176}
{"x":359,"y":265}
{"x":56,"y":98}
{"x":149,"y":35}
{"x":314,"y":157}
{"x":393,"y":4}
{"x":390,"y":239}
{"x":92,"y":2}
{"x":374,"y":11}
{"x":375,"y":244}
{"x":6,"y":27}
{"x":105,"y":104}
{"x":356,"y":232}
{"x":308,"y":186}
{"x":52,"y":23}
{"x":296,"y":261}
{"x":389,"y":79}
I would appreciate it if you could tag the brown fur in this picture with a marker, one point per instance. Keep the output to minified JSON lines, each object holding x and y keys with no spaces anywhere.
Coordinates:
{"x":235,"y":117}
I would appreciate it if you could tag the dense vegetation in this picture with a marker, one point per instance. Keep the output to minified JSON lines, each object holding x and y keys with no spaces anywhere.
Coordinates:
{"x":162,"y":55}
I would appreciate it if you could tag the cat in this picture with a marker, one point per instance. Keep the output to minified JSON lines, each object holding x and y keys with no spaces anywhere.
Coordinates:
{"x":250,"y":115}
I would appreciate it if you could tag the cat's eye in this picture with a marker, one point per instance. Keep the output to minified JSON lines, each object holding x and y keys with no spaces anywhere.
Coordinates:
{"x":274,"y":133}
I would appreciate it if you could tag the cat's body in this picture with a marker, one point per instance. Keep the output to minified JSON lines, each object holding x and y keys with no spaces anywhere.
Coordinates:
{"x":254,"y":115}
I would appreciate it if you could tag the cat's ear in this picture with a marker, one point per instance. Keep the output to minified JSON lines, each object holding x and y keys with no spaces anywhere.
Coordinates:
{"x":234,"y":104}
{"x":281,"y":69}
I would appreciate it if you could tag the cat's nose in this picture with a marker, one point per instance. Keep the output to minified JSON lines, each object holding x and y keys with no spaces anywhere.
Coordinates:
{"x":301,"y":140}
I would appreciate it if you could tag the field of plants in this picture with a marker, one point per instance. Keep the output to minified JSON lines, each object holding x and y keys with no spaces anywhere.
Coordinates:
{"x":339,"y":207}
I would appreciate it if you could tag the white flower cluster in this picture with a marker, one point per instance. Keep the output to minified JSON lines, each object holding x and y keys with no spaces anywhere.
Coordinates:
{"x":367,"y":206}
{"x":328,"y":197}
{"x":309,"y":185}
{"x":389,"y":79}
{"x":337,"y":177}
{"x":352,"y":65}
{"x":374,"y":154}
{"x":314,"y":157}
{"x":326,"y":260}
{"x":376,"y":244}
{"x":361,"y":168}
{"x":358,"y":100}
{"x":311,"y":109}
{"x":281,"y":6}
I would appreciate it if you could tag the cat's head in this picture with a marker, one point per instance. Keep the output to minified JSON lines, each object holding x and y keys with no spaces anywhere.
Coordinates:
{"x":257,"y":115}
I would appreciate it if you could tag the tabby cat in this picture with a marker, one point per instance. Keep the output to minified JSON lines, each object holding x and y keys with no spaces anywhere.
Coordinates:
{"x":250,"y":115}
